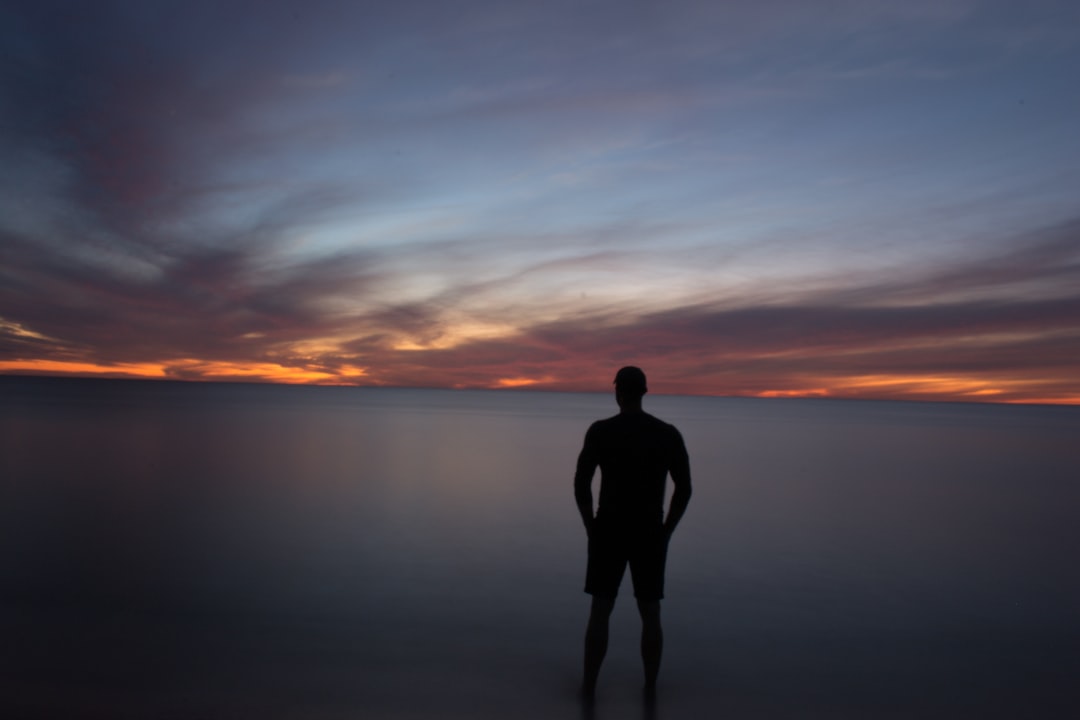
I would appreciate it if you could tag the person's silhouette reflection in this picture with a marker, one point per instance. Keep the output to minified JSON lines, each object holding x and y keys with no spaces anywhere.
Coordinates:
{"x":635,"y":452}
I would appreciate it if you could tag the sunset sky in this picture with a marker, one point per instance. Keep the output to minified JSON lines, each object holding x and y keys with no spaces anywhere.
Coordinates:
{"x":844,"y":198}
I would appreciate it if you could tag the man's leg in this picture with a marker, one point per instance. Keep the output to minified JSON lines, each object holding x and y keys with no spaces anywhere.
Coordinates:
{"x":596,"y":639}
{"x":652,"y":640}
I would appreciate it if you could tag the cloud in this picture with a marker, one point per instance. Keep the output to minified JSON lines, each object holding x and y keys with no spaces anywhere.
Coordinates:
{"x":337,"y":193}
{"x":203,"y":302}
{"x":1009,"y":347}
{"x":322,"y":320}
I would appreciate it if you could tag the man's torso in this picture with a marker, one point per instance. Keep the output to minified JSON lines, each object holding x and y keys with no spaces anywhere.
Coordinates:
{"x":634,"y":451}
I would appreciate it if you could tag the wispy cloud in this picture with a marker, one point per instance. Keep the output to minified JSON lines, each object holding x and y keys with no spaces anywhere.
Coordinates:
{"x":885,"y":340}
{"x":504,"y":194}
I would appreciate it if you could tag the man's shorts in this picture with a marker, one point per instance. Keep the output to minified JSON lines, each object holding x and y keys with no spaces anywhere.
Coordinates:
{"x":612,"y":549}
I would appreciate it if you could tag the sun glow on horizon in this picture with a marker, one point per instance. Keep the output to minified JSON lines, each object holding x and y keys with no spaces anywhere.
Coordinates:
{"x":945,"y":385}
{"x":806,"y":393}
{"x":78,"y":367}
{"x":190,"y":369}
{"x":517,"y":382}
{"x":883,"y":386}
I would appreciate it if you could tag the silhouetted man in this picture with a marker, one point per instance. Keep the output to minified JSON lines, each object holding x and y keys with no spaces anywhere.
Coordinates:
{"x":635,"y":452}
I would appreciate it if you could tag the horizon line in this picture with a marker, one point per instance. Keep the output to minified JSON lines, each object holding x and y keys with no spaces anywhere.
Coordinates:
{"x":815,"y":394}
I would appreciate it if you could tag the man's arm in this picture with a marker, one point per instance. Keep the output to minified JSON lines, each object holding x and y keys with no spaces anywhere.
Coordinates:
{"x":680,"y":475}
{"x":586,"y":467}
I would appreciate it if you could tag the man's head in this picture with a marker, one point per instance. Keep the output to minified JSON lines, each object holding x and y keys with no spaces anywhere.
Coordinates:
{"x":630,"y":386}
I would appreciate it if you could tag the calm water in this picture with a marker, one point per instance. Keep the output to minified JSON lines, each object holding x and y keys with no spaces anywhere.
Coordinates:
{"x":193,"y":551}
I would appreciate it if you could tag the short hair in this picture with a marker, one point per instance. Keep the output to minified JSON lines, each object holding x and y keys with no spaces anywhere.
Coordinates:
{"x":631,"y":379}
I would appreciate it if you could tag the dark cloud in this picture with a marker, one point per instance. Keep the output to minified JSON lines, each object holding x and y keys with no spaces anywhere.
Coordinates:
{"x":203,"y":302}
{"x":1040,"y":263}
{"x":122,"y":264}
{"x":169,"y":160}
{"x":758,"y":349}
{"x":220,"y":304}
